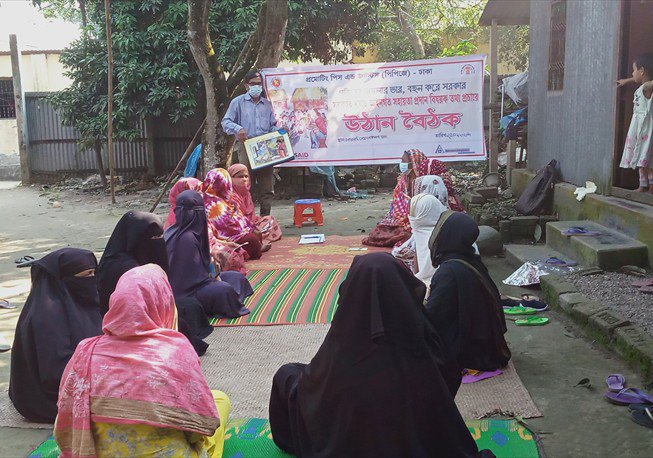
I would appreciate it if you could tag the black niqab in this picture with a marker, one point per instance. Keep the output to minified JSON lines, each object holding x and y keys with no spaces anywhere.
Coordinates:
{"x":137,"y":240}
{"x":61,"y":310}
{"x":374,"y":388}
{"x":464,"y":303}
{"x":187,"y":242}
{"x":131,"y":245}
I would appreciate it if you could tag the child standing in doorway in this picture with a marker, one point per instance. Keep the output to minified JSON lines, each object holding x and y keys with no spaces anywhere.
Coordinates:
{"x":638,"y":151}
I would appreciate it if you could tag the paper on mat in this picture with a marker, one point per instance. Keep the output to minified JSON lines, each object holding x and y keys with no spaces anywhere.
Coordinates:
{"x":312,"y":238}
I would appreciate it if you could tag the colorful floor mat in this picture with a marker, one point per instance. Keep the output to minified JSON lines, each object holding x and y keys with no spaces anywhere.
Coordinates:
{"x":251,"y":438}
{"x":290,"y":296}
{"x":336,"y":253}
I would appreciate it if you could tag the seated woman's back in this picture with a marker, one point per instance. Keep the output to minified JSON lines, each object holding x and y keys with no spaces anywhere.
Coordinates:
{"x":61,"y":310}
{"x":374,"y":388}
{"x":139,"y":375}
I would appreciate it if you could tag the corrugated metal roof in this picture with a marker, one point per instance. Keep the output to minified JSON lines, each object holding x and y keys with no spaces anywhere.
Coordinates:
{"x":507,"y":12}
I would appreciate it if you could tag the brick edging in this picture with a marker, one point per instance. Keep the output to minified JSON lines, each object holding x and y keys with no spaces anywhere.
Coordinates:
{"x":598,"y":321}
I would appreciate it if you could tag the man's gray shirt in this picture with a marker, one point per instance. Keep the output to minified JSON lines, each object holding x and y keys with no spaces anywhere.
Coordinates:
{"x":256,"y":118}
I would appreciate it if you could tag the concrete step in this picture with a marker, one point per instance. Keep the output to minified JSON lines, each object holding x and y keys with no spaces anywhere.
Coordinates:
{"x":517,"y":254}
{"x":609,"y":250}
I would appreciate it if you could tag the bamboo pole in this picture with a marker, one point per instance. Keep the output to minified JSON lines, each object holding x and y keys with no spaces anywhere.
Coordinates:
{"x":191,"y":147}
{"x":112,"y":173}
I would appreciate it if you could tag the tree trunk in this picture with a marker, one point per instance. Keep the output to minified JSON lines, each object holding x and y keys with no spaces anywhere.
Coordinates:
{"x":212,"y":73}
{"x":274,"y":35}
{"x":82,"y":10}
{"x":263,"y":48}
{"x":407,"y":27}
{"x":97,"y":147}
{"x":112,"y":173}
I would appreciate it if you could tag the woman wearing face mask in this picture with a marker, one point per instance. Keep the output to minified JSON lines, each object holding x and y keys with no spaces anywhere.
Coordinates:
{"x":395,"y":227}
{"x":61,"y":310}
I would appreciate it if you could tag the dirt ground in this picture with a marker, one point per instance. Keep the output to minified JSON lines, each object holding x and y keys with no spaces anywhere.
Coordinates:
{"x":551,"y":360}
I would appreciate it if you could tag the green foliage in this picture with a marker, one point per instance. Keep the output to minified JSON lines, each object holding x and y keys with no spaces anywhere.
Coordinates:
{"x":154,"y":71}
{"x":462,"y":48}
{"x":514,"y":42}
{"x":446,"y":28}
{"x":439,"y":23}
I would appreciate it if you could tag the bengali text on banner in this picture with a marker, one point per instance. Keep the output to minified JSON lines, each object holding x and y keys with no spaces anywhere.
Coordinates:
{"x":371,"y":113}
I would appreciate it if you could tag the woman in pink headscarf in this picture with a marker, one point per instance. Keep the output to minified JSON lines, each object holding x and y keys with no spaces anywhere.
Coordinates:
{"x":226,"y":220}
{"x":138,"y":389}
{"x":185,"y":184}
{"x":266,"y":225}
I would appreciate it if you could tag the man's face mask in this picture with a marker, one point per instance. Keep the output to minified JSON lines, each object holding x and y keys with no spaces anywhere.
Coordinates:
{"x":255,"y":90}
{"x":403,"y":167}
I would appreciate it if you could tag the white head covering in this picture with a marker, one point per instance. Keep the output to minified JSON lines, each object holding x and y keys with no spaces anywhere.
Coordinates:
{"x":425,"y":211}
{"x":432,"y":184}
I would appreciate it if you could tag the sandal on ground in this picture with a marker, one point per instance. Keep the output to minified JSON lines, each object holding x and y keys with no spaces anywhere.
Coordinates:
{"x":646,"y":289}
{"x":641,"y":406}
{"x":615,"y":382}
{"x":578,"y":230}
{"x":24,"y":259}
{"x":534,"y":302}
{"x":553,"y":261}
{"x":643,"y":417}
{"x":480,"y":375}
{"x":5,"y":304}
{"x":532,"y":321}
{"x":643,"y":282}
{"x":520,"y":310}
{"x":628,"y":396}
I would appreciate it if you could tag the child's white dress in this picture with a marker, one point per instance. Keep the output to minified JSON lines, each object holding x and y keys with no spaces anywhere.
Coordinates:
{"x":638,"y":151}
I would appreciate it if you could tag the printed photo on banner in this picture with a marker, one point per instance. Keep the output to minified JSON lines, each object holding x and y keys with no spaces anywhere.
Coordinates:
{"x":303,"y":113}
{"x":268,"y":150}
{"x":362,"y":114}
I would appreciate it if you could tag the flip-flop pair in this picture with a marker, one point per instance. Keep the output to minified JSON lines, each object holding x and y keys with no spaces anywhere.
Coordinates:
{"x":25,"y":261}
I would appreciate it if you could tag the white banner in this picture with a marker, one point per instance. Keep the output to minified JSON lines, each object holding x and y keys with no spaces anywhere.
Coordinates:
{"x":371,"y":113}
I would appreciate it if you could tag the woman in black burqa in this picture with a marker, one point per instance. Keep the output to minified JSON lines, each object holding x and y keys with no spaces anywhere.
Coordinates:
{"x":189,"y":258}
{"x":374,"y":388}
{"x":61,"y":310}
{"x":464,"y":304}
{"x":137,"y":240}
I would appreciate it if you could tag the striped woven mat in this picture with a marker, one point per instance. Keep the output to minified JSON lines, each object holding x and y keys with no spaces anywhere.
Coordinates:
{"x":290,"y":296}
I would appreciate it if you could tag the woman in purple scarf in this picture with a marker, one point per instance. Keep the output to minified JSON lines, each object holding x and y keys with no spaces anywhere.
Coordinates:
{"x":189,"y":259}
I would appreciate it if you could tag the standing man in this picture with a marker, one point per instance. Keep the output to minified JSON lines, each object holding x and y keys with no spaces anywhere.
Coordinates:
{"x":250,"y":115}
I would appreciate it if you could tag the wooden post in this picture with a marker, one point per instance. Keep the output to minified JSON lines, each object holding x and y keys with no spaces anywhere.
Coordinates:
{"x":112,"y":172}
{"x":149,"y":146}
{"x":19,"y":100}
{"x":511,"y":160}
{"x":494,"y":68}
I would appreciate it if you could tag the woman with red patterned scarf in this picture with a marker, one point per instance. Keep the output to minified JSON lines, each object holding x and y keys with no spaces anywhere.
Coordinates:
{"x":395,"y":227}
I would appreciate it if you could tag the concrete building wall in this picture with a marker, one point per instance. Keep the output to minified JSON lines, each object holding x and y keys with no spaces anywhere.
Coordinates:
{"x":40,"y":72}
{"x":576,"y":126}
